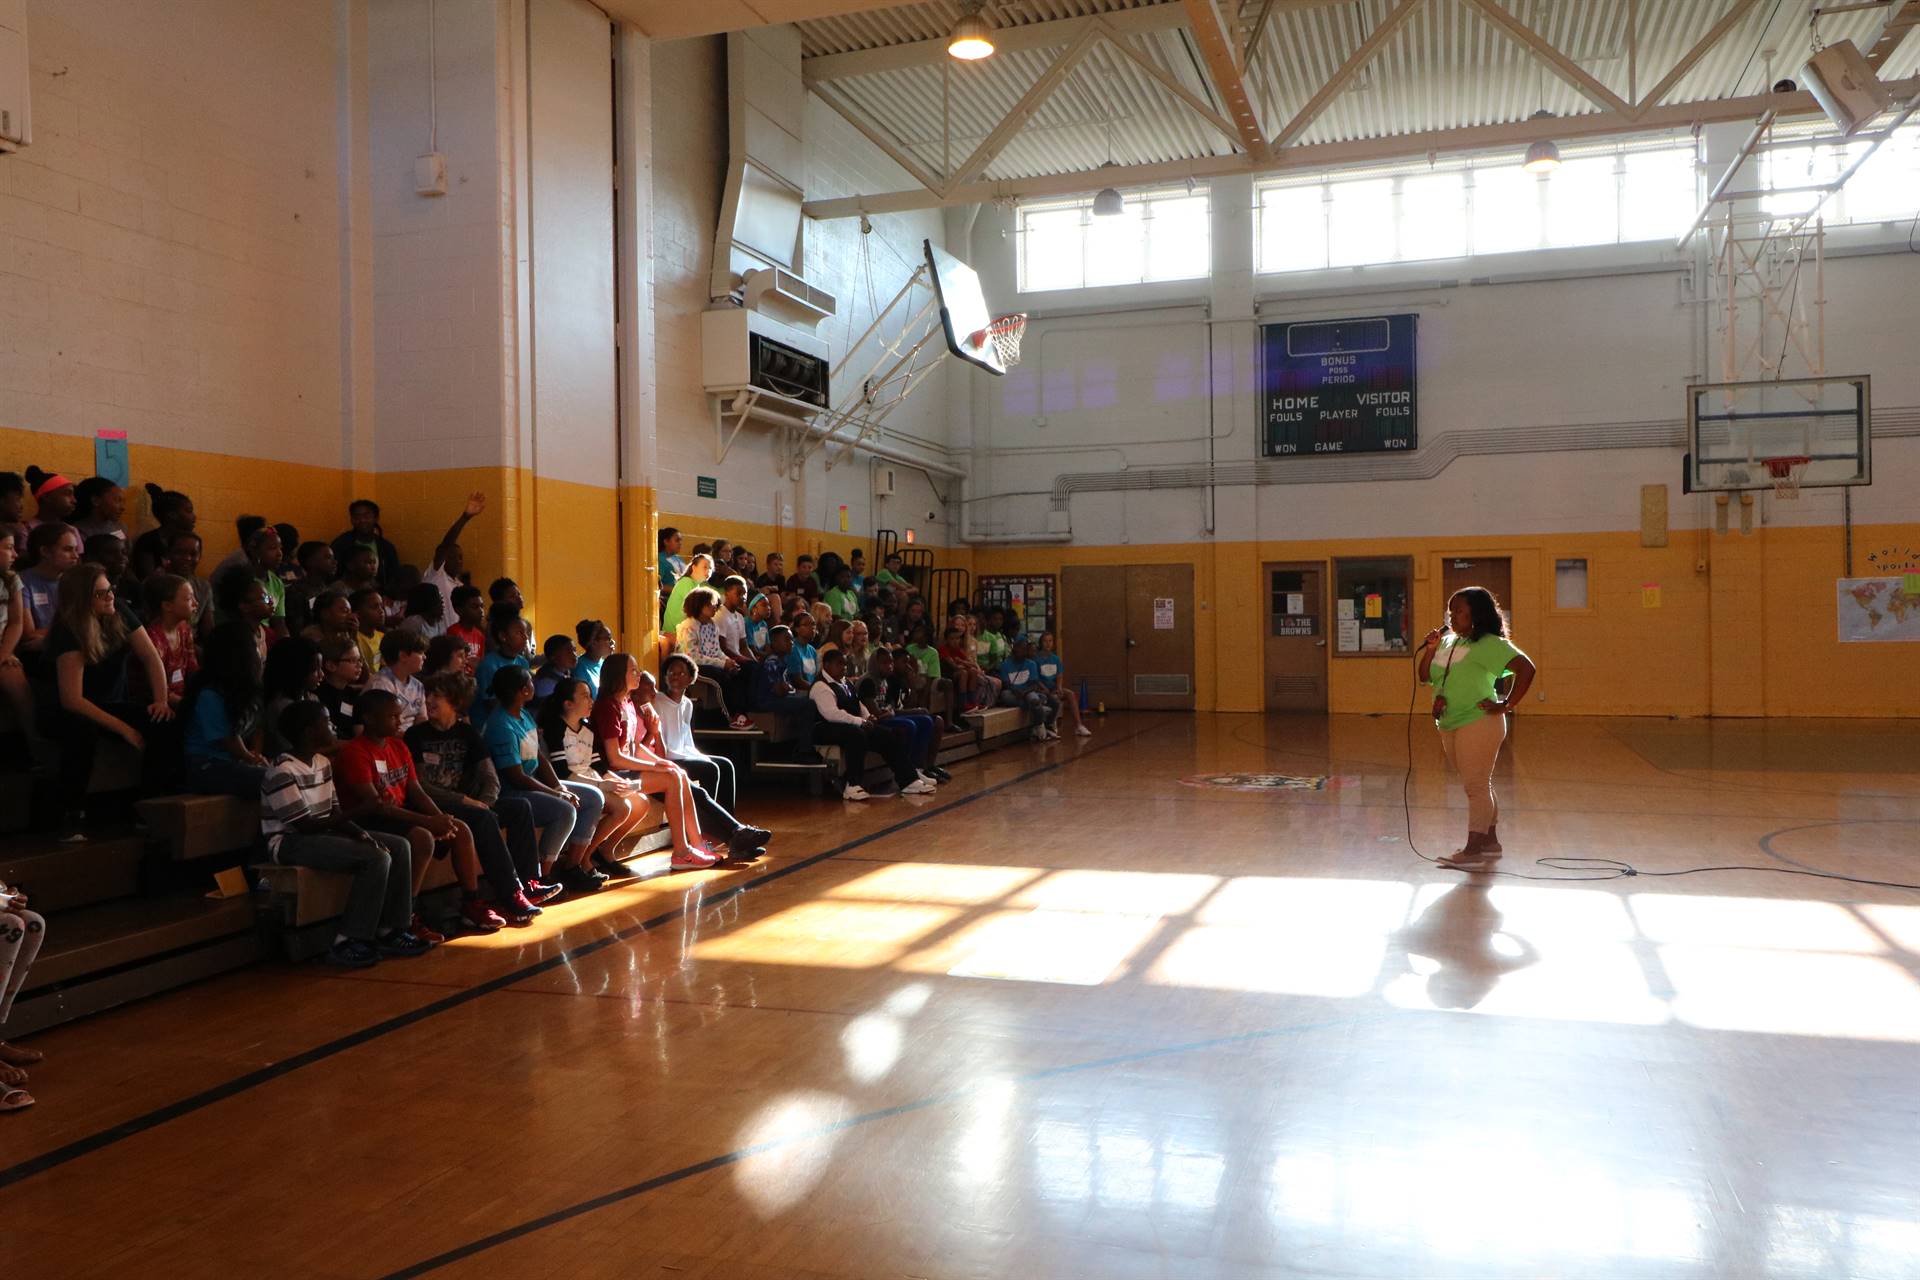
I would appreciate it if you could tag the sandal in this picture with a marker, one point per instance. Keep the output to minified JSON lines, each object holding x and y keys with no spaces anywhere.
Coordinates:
{"x":11,"y":1076}
{"x":12,"y":1099}
{"x":16,"y":1056}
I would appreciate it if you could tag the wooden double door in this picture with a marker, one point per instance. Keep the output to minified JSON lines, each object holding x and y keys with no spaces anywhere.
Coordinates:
{"x":1127,"y":630}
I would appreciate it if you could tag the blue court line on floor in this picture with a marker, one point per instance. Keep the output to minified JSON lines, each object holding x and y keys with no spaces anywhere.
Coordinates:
{"x":467,"y":995}
{"x":1766,"y":841}
{"x":558,"y":1216}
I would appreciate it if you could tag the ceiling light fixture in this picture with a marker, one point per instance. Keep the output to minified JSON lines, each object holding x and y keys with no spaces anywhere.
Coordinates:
{"x":1109,"y":203}
{"x":1543,"y":156}
{"x":971,"y":38}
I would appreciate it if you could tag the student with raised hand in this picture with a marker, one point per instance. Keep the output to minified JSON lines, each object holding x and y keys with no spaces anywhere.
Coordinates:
{"x":381,"y":790}
{"x":226,"y":716}
{"x":305,"y":826}
{"x":571,"y":751}
{"x":595,"y":643}
{"x":53,"y":497}
{"x":513,"y":741}
{"x":1052,"y":676}
{"x":402,"y":654}
{"x":848,"y":725}
{"x":458,"y":773}
{"x":447,"y":572}
{"x":699,"y":569}
{"x":89,"y":649}
{"x":168,"y":616}
{"x":363,"y":518}
{"x":626,"y":727}
{"x":99,"y":505}
{"x":174,"y":514}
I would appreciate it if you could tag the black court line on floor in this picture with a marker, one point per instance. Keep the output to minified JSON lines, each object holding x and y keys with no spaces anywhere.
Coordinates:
{"x":320,"y":1053}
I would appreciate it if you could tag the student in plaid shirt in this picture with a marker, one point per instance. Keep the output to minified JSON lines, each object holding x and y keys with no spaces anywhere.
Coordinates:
{"x":305,"y":827}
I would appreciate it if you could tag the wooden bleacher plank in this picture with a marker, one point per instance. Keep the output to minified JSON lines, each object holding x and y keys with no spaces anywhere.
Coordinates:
{"x":197,"y":826}
{"x":114,"y":934}
{"x":60,"y":877}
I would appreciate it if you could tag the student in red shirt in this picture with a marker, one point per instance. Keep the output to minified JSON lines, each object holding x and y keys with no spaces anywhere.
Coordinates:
{"x":170,"y":604}
{"x":380,"y":789}
{"x":470,"y":619}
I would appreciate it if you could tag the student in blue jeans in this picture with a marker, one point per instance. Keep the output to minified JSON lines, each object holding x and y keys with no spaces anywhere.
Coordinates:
{"x":226,"y":715}
{"x":567,"y":818}
{"x":1022,"y":687}
{"x":772,"y":690}
{"x":886,"y":696}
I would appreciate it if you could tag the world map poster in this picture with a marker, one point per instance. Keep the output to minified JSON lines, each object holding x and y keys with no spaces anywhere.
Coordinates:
{"x":1872,"y":610}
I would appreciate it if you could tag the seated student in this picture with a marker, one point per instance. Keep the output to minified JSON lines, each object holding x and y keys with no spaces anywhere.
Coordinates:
{"x":244,"y":527}
{"x":671,"y":566}
{"x":13,"y":625}
{"x":290,"y":568}
{"x":110,"y":553}
{"x":402,"y":654}
{"x":98,"y":508}
{"x":1020,"y":681}
{"x":331,"y":618}
{"x":469,"y":625}
{"x":595,"y":643}
{"x":557,"y":660}
{"x":740,"y":565}
{"x":423,"y":611}
{"x":804,"y":581}
{"x":774,"y":575}
{"x":365,"y":533}
{"x":343,"y":675}
{"x":458,"y":773}
{"x":571,"y":751}
{"x":169,"y":623}
{"x":306,"y":827}
{"x":855,"y":646}
{"x":445,"y":656}
{"x":359,"y":569}
{"x":369,"y":618}
{"x":52,"y":550}
{"x":622,"y":715}
{"x":857,"y":561}
{"x":447,"y":570}
{"x":393,"y":597}
{"x":226,"y":707}
{"x":566,"y":818}
{"x":174,"y":514}
{"x":380,"y":789}
{"x":89,"y":649}
{"x":731,"y":619}
{"x":675,"y":711}
{"x":699,"y":639}
{"x":803,"y":660}
{"x":843,"y":598}
{"x":262,"y":562}
{"x":975,"y":687}
{"x":894,"y":577}
{"x":241,"y":597}
{"x":21,"y":934}
{"x":53,"y":498}
{"x":182,"y":560}
{"x":507,"y":637}
{"x":849,"y":726}
{"x":772,"y":691}
{"x":13,"y":507}
{"x":1047,"y":659}
{"x":315,"y":574}
{"x":759,"y":627}
{"x":699,"y":569}
{"x":913,"y":614}
{"x":884,"y":693}
{"x":293,"y":673}
{"x":990,"y":645}
{"x":920,"y":649}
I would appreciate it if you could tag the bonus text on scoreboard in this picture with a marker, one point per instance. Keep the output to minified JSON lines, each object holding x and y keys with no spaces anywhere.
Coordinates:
{"x":1339,"y":386}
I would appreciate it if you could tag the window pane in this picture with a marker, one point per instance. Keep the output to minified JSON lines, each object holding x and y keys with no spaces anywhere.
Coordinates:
{"x":1796,"y":167}
{"x":1506,"y":210}
{"x":1050,"y":249}
{"x":1293,"y":229}
{"x":1887,"y":188}
{"x":1360,"y":220}
{"x":1371,"y":612}
{"x":1659,"y":199}
{"x":1583,"y":203}
{"x":1433,"y":216}
{"x":1116,"y":252}
{"x":1569,"y":584}
{"x":1177,"y":239}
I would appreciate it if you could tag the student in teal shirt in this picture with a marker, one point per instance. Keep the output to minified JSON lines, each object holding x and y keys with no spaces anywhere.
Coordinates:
{"x":1021,"y":687}
{"x":803,"y":660}
{"x":858,"y":563}
{"x":759,"y":625}
{"x":508,"y":632}
{"x":1466,"y":664}
{"x":1047,"y":658}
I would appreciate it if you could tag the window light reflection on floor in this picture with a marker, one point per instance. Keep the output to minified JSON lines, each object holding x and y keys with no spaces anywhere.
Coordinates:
{"x":775,"y":1180}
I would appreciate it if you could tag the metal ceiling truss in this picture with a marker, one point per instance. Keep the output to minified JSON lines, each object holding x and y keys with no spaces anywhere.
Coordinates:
{"x":1225,"y":45}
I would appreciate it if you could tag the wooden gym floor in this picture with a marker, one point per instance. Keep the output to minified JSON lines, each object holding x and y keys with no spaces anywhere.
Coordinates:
{"x":1073,"y":1017}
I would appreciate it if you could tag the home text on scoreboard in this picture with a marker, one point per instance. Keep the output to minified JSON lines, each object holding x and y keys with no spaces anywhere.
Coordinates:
{"x":1338,"y":386}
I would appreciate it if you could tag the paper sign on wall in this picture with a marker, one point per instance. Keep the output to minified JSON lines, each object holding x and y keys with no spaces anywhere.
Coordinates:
{"x":706,"y":486}
{"x":1649,"y":595}
{"x":1162,"y":613}
{"x":1910,"y":583}
{"x":843,"y":517}
{"x":1296,"y":602}
{"x":1349,"y":633}
{"x":1374,"y":608}
{"x":1346,"y":609}
{"x":110,"y":457}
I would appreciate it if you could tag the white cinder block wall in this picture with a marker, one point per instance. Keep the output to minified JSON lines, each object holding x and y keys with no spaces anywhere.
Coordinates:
{"x":170,"y":245}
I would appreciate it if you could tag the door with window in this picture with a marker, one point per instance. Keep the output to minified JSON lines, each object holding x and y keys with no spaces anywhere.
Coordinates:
{"x":1295,"y":637}
{"x":1128,"y":632}
{"x":1495,"y":573}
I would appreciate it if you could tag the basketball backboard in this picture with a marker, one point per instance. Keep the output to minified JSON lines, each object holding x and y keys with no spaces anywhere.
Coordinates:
{"x":1733,"y":428}
{"x":963,"y":309}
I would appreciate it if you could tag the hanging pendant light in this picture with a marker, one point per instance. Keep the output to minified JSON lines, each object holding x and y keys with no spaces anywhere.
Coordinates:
{"x":971,"y":38}
{"x":1544,"y":155}
{"x":1109,"y":203}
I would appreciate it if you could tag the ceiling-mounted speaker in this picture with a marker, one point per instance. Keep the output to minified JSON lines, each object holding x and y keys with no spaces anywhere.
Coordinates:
{"x":1845,"y":86}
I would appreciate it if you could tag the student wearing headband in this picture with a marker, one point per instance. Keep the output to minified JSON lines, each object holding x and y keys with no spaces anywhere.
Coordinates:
{"x":53,"y":495}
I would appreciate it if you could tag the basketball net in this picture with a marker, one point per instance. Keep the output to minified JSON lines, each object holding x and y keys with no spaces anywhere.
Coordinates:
{"x":1786,"y":473}
{"x":1004,"y":333}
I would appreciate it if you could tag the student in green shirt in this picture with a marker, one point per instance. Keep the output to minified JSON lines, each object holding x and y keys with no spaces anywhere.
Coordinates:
{"x":890,"y":576}
{"x":920,"y":649}
{"x":842,"y":598}
{"x":1466,"y":663}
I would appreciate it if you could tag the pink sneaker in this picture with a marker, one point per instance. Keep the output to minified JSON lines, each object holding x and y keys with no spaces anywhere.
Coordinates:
{"x":695,"y":859}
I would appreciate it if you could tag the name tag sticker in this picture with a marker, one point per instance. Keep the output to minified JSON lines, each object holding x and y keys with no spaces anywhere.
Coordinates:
{"x":430,"y":757}
{"x":381,"y":767}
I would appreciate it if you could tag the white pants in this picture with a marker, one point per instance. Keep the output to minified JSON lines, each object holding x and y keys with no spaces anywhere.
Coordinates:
{"x":21,"y":933}
{"x":1471,"y":751}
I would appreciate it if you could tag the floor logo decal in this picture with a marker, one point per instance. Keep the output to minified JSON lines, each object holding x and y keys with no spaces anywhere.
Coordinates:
{"x":1269,"y":781}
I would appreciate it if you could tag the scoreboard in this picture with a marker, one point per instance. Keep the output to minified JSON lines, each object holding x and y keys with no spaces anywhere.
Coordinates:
{"x":1338,"y":386}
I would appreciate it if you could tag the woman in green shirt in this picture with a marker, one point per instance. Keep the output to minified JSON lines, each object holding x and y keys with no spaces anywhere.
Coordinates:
{"x":1466,"y":663}
{"x":699,"y":569}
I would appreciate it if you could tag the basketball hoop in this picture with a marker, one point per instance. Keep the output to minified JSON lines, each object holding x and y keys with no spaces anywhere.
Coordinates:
{"x":1786,"y":473}
{"x":1005,"y":333}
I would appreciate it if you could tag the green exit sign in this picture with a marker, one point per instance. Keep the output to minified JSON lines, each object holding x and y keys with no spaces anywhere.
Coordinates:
{"x":709,"y":486}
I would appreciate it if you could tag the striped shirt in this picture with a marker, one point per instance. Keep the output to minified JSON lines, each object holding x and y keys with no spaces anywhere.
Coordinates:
{"x":294,"y":790}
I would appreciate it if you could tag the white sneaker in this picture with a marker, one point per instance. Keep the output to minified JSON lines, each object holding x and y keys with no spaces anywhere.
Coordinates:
{"x":1081,"y":731}
{"x":919,"y":787}
{"x":854,"y":791}
{"x":927,"y":777}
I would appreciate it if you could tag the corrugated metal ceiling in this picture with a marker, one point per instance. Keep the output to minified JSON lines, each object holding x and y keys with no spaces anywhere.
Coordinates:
{"x":1447,"y":67}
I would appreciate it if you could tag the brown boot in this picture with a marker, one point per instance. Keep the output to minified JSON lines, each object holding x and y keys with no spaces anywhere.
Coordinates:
{"x":1475,"y":856}
{"x":1492,"y":843}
